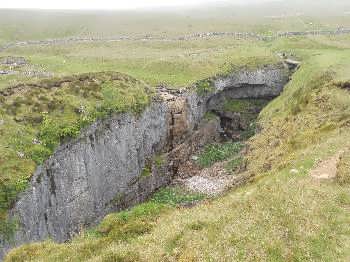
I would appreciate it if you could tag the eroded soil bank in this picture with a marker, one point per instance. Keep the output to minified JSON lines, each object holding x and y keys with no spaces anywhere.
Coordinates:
{"x":120,"y":161}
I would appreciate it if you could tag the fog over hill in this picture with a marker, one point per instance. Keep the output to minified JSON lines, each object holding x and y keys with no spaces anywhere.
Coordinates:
{"x":235,"y":15}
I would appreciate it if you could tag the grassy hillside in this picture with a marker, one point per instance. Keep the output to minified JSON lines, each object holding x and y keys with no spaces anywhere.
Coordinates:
{"x":283,"y":214}
{"x":285,"y":15}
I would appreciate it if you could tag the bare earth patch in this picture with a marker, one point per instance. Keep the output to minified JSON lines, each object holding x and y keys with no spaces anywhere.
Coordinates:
{"x":327,"y":169}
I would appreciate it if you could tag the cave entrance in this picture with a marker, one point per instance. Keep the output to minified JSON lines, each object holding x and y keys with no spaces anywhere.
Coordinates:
{"x":238,"y":117}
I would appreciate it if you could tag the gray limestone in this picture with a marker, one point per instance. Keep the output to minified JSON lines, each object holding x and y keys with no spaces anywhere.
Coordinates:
{"x":101,"y":171}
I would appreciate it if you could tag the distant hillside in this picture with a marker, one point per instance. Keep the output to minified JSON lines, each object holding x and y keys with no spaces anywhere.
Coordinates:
{"x":19,"y":25}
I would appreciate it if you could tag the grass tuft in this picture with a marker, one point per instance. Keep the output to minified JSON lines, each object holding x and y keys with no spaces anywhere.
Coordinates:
{"x":174,"y":196}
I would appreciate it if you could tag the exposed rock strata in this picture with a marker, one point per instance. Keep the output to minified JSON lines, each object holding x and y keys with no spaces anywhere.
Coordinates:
{"x":102,"y":170}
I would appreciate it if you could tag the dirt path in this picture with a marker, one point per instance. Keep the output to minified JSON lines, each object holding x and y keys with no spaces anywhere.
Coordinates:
{"x":327,"y":169}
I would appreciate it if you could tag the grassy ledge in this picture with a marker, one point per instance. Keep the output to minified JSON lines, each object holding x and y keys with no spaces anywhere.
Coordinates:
{"x":35,"y":119}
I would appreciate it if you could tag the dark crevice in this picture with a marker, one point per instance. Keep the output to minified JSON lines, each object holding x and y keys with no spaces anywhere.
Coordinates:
{"x":238,"y":117}
{"x":52,"y":181}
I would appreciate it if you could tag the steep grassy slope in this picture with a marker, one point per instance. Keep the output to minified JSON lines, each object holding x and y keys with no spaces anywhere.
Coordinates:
{"x":282,"y":214}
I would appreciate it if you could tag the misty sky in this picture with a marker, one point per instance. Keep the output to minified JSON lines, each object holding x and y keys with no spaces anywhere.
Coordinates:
{"x":112,"y":4}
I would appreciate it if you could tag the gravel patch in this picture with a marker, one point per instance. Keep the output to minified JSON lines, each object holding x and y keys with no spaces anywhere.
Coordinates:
{"x":205,"y":185}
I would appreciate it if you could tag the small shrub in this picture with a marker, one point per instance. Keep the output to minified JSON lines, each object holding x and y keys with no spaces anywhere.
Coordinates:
{"x":204,"y":87}
{"x":49,"y":133}
{"x":70,"y":130}
{"x":52,"y":132}
{"x":8,"y":192}
{"x":146,"y":172}
{"x":159,"y":160}
{"x":39,"y":153}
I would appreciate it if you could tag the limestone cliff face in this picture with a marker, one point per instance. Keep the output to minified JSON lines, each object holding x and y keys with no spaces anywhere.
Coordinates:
{"x":102,"y":170}
{"x":84,"y":179}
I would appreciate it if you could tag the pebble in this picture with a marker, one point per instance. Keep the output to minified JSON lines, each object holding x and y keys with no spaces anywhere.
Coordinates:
{"x":294,"y":171}
{"x":36,"y":141}
{"x":20,"y":154}
{"x":194,"y":158}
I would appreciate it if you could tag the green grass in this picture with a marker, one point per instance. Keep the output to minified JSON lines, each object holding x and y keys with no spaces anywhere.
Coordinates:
{"x":244,"y":105}
{"x":175,"y":63}
{"x":277,"y":218}
{"x":146,"y":172}
{"x":234,"y":164}
{"x":311,"y":107}
{"x":343,"y":174}
{"x":214,"y":153}
{"x":131,"y":223}
{"x":174,"y":196}
{"x":204,"y":87}
{"x":159,"y":160}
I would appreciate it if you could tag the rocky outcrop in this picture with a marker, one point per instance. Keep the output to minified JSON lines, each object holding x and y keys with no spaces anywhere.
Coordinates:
{"x":13,"y":61}
{"x":111,"y":165}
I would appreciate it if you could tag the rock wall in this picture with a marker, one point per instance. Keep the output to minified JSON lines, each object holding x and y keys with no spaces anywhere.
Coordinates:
{"x":267,"y":82}
{"x":102,"y":171}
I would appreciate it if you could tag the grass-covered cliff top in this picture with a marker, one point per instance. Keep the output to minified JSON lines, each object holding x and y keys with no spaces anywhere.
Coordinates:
{"x":282,"y":215}
{"x":35,"y":119}
{"x":175,"y":63}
